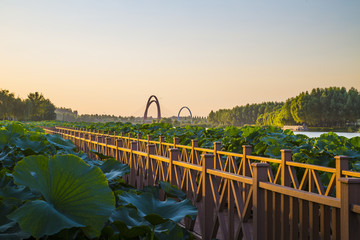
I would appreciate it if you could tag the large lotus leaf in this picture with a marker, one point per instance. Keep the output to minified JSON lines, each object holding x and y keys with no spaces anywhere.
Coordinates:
{"x":4,"y":138}
{"x":5,"y":208}
{"x":146,"y":204}
{"x":273,"y":151}
{"x":172,"y":190}
{"x":355,"y":141}
{"x":27,"y":144}
{"x":129,"y":223}
{"x":15,"y":129}
{"x":42,"y":218}
{"x":100,"y":155}
{"x":9,"y":229}
{"x":60,"y":143}
{"x":114,"y":169}
{"x":174,"y":233}
{"x":74,"y":193}
{"x":8,"y":190}
{"x":14,"y":233}
{"x":356,"y":166}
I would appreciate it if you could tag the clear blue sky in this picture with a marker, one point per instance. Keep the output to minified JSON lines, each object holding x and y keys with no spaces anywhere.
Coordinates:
{"x":110,"y":56}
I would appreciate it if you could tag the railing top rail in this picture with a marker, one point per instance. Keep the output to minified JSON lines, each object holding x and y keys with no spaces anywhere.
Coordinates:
{"x":203,"y":150}
{"x":230,"y":154}
{"x":300,"y":194}
{"x":230,"y":176}
{"x":264,"y":159}
{"x":311,"y":166}
{"x":188,"y":165}
{"x":251,"y":157}
{"x":351,"y":173}
{"x":355,"y":208}
{"x":160,"y":158}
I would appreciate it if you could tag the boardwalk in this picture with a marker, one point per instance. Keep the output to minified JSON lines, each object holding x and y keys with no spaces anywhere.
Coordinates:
{"x":238,"y":195}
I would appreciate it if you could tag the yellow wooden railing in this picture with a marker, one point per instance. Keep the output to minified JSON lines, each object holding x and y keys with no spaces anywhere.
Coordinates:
{"x":239,"y":196}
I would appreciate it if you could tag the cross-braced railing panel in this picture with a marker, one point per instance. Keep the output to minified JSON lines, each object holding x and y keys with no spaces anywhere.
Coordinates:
{"x":248,"y":198}
{"x":232,"y":203}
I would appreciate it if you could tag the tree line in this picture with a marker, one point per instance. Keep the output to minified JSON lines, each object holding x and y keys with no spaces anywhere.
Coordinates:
{"x":243,"y":115}
{"x":34,"y":108}
{"x":322,"y":107}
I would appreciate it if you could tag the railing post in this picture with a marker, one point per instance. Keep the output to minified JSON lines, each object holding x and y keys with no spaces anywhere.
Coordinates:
{"x":92,"y":145}
{"x":217,"y":159}
{"x":284,"y":201}
{"x":138,"y":136}
{"x":81,"y":141}
{"x":259,"y":175}
{"x":149,"y":166}
{"x":86,"y":143}
{"x":349,"y":221}
{"x":194,"y":144}
{"x":285,"y":174}
{"x":107,"y":149}
{"x":207,"y":209}
{"x":174,"y":156}
{"x":246,"y":166}
{"x":176,"y":141}
{"x":245,"y":169}
{"x":99,"y":147}
{"x":132,"y":163}
{"x":119,"y":144}
{"x":161,"y":140}
{"x":113,"y":141}
{"x":342,"y":163}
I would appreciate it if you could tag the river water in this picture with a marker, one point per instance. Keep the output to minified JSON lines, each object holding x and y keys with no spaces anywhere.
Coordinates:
{"x":317,"y":134}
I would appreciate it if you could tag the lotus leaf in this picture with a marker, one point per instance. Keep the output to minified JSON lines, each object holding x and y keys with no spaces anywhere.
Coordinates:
{"x":74,"y":194}
{"x":114,"y":169}
{"x":146,"y":204}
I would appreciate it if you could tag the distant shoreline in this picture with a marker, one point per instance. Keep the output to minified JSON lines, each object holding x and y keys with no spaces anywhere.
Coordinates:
{"x":300,"y":128}
{"x":317,"y":134}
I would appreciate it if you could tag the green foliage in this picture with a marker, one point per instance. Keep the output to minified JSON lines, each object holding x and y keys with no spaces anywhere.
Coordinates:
{"x":75,"y":195}
{"x":327,"y":107}
{"x":242,"y":115}
{"x":35,"y":107}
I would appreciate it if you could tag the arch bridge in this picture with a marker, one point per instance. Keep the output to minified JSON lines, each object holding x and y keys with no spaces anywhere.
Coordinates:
{"x":152,"y":99}
{"x":178,"y":118}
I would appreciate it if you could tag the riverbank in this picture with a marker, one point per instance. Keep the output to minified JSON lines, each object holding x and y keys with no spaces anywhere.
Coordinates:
{"x":350,"y":129}
{"x":317,"y":134}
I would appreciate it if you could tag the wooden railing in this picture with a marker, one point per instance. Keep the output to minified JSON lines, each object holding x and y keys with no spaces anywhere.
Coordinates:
{"x":238,"y":195}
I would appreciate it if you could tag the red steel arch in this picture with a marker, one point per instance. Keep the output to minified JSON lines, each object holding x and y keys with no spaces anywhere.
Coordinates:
{"x":149,"y":102}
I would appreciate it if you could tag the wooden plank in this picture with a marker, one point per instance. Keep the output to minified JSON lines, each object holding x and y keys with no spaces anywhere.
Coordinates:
{"x":230,"y":176}
{"x":324,"y":222}
{"x":312,"y":197}
{"x":230,"y":211}
{"x":268,"y":215}
{"x":294,"y":218}
{"x":303,"y":219}
{"x":314,"y":221}
{"x":285,"y":227}
{"x":335,"y":223}
{"x":276,"y":201}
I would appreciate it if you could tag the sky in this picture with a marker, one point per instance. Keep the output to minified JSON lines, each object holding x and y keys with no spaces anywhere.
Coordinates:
{"x":109,"y":57}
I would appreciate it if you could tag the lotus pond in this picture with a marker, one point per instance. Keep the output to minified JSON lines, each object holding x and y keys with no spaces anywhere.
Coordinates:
{"x":50,"y":191}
